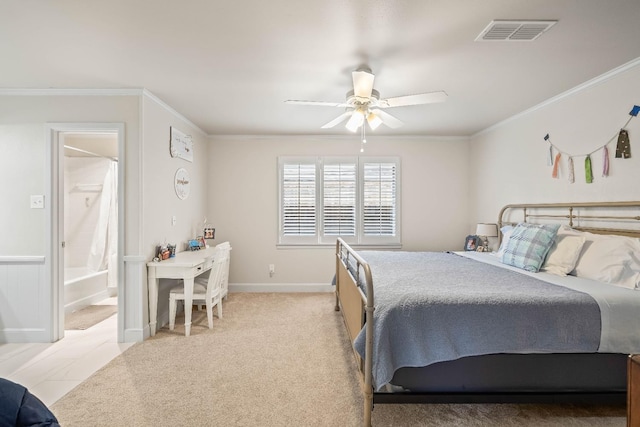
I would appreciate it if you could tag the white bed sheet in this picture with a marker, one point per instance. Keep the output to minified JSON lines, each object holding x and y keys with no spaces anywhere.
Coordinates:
{"x":619,"y":307}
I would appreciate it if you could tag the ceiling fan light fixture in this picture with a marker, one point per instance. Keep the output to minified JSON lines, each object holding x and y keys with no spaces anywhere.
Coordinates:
{"x":374,"y":120}
{"x":356,"y":120}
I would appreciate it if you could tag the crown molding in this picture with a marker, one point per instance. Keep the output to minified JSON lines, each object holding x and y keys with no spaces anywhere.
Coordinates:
{"x":69,"y":92}
{"x":98,"y":92}
{"x":589,"y":83}
{"x":167,"y":107}
{"x":330,"y":138}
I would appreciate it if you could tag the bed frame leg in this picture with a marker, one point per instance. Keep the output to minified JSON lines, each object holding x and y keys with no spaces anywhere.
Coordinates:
{"x":368,"y":408}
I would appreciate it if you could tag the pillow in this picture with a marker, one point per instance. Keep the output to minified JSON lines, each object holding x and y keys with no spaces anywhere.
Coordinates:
{"x":610,"y":259}
{"x":563,"y":254}
{"x":528,"y":245}
{"x":506,"y":234}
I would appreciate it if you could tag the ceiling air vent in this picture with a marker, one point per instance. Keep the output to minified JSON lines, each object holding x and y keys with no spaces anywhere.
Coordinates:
{"x":514,"y":30}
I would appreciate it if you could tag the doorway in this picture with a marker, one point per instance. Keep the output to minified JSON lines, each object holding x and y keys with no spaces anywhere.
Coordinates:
{"x":88,"y":229}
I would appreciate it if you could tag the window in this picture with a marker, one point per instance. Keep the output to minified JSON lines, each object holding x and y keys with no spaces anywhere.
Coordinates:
{"x":356,"y":198}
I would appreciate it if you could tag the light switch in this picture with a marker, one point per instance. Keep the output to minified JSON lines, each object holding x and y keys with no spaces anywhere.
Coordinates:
{"x":173,"y":220}
{"x":37,"y":201}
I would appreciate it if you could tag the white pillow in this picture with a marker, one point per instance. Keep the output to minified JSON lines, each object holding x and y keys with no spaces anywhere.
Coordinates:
{"x":563,"y":255}
{"x":610,"y":259}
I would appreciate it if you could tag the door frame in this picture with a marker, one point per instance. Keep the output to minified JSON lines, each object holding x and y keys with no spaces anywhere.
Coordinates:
{"x":55,"y":224}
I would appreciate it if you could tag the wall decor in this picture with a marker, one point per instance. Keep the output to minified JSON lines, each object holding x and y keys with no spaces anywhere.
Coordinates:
{"x":180,"y":144}
{"x":182,"y":183}
{"x":623,"y":151}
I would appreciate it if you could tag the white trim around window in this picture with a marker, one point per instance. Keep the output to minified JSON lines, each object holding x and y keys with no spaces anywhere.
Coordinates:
{"x":322,"y":198}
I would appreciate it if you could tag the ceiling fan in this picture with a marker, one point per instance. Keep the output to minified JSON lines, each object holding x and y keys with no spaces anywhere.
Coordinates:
{"x":363,"y":103}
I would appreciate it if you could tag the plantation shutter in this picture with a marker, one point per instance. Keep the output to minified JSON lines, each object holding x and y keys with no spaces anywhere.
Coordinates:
{"x":299,"y":199}
{"x":379,"y":199}
{"x":339,"y":199}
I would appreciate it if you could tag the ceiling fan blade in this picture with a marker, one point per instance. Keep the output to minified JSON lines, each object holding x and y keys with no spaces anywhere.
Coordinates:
{"x":362,"y":83}
{"x":422,"y":98}
{"x":388,"y":119}
{"x":317,"y":103}
{"x":341,"y":118}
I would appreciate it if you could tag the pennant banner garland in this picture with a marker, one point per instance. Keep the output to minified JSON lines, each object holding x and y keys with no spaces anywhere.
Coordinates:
{"x":623,"y":151}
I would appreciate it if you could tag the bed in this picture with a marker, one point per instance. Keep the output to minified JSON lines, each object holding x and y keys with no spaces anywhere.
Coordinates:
{"x":549,"y":321}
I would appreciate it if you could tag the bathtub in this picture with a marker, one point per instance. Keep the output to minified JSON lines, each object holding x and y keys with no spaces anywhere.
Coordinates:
{"x":83,"y":287}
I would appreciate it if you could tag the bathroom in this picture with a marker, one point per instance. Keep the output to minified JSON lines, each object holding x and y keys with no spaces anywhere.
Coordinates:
{"x":90,"y":222}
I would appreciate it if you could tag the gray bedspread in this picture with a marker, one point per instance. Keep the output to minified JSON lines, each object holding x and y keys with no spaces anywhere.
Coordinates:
{"x":435,"y":306}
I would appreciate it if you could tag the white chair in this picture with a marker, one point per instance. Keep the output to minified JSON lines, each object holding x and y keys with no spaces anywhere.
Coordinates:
{"x":226,"y":247}
{"x":204,"y":289}
{"x":225,"y":268}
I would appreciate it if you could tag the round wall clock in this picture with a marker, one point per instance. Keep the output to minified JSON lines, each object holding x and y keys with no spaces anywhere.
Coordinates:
{"x":182,"y":183}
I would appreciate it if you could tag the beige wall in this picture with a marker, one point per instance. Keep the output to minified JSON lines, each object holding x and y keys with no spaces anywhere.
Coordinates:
{"x":243,"y":199}
{"x":509,"y":160}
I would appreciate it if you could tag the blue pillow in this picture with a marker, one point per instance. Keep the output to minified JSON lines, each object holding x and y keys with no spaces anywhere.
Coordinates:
{"x":528,"y":245}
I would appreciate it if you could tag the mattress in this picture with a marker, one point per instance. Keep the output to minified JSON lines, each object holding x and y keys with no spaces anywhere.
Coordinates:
{"x":434,"y":307}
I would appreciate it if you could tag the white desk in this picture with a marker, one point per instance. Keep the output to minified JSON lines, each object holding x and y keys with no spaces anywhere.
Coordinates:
{"x":185,"y":265}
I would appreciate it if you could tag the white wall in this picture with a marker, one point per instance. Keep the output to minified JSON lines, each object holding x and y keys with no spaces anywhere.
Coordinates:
{"x":160,"y":202}
{"x":243,"y":199}
{"x":22,"y":134}
{"x":22,"y":169}
{"x":25,"y":274}
{"x":508,"y":161}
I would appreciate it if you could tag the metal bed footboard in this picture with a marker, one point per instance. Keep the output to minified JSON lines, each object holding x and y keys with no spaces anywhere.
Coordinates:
{"x":357,"y":311}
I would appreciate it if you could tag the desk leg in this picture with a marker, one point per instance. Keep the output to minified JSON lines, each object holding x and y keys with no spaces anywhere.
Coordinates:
{"x":153,"y":300}
{"x":188,"y":302}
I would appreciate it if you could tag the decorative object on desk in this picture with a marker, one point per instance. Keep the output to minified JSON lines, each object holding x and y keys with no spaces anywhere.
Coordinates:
{"x":471,"y":243}
{"x":194,"y":245}
{"x":201,"y":242}
{"x":209,"y":232}
{"x":172,"y":250}
{"x":180,"y":144}
{"x":162,"y":252}
{"x":484,"y":231}
{"x":182,"y":183}
{"x":623,"y":151}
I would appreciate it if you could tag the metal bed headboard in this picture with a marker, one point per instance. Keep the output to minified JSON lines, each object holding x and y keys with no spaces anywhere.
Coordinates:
{"x":623,"y":217}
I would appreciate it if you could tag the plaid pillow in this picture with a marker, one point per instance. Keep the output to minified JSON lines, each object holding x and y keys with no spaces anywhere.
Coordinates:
{"x":528,"y":245}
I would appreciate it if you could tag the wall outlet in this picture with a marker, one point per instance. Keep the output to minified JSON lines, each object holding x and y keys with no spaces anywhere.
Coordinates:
{"x":272,"y":270}
{"x":37,"y":201}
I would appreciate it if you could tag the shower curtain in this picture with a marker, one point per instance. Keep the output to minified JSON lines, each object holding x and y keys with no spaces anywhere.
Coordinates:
{"x":104,"y":249}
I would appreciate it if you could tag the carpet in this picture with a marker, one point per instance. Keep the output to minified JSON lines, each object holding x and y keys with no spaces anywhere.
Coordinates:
{"x":272,"y":360}
{"x":88,"y":316}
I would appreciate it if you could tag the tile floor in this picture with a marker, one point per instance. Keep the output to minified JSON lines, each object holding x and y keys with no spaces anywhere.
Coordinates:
{"x":51,"y":370}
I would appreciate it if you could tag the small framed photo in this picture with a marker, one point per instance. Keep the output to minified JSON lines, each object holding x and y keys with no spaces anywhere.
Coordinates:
{"x":209,"y":233}
{"x":471,"y":243}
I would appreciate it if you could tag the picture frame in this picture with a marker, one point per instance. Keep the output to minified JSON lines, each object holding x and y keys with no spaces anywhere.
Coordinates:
{"x":472,"y":242}
{"x":180,"y":144}
{"x":209,"y":232}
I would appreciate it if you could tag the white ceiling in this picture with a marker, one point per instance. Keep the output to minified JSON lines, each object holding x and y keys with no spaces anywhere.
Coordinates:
{"x":228,"y":65}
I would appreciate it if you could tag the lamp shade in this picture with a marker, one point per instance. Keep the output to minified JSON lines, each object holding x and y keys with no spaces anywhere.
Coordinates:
{"x":488,"y":230}
{"x":356,"y":120}
{"x":373,"y":120}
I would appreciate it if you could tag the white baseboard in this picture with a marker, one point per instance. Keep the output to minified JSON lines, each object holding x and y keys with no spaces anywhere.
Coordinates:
{"x":281,"y":287}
